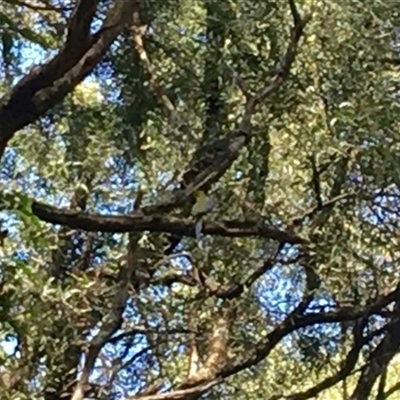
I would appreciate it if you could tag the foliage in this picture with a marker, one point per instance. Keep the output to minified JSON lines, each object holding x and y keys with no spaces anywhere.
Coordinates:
{"x":292,"y":291}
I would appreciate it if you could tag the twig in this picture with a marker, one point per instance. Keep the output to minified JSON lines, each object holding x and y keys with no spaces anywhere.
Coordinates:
{"x":137,"y":37}
{"x":297,"y":221}
{"x":240,"y":83}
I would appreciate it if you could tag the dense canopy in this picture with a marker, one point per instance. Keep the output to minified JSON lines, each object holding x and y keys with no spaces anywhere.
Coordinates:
{"x":116,"y":116}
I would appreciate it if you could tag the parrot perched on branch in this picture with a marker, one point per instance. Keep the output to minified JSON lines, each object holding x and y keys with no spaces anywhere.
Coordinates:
{"x":201,"y":207}
{"x":217,"y":155}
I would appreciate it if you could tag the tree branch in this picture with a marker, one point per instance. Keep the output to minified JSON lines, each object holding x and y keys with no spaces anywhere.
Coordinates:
{"x":48,"y":84}
{"x":285,"y":65}
{"x":137,"y":38}
{"x":379,"y":359}
{"x":347,"y":366}
{"x":113,"y":320}
{"x":138,"y":222}
{"x":295,"y":320}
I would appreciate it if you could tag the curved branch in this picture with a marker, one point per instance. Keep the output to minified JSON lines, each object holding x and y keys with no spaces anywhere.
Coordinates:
{"x":346,"y":368}
{"x":379,"y":359}
{"x":298,"y":319}
{"x":395,"y":388}
{"x":138,"y":222}
{"x":48,"y":84}
{"x":295,"y":320}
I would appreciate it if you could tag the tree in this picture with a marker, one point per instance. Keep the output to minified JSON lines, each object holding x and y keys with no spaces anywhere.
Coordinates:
{"x":292,"y":289}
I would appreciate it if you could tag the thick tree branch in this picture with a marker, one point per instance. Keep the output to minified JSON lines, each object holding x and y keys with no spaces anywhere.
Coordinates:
{"x":138,"y":222}
{"x":78,"y":35}
{"x":48,"y":84}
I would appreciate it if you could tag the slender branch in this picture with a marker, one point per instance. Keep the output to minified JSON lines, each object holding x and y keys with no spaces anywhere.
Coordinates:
{"x":382,"y":383}
{"x":347,"y":366}
{"x":240,"y":82}
{"x":285,"y":66}
{"x":328,"y":206}
{"x":137,"y":38}
{"x":112,"y":322}
{"x":395,"y":388}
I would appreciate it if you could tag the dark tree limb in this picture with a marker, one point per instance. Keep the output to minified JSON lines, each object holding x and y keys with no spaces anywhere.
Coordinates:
{"x":379,"y":359}
{"x":346,"y":368}
{"x":138,"y":222}
{"x":49,"y":83}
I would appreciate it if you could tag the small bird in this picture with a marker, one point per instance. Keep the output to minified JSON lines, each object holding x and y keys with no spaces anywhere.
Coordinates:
{"x":210,"y":155}
{"x":202,"y":206}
